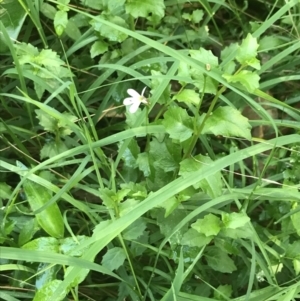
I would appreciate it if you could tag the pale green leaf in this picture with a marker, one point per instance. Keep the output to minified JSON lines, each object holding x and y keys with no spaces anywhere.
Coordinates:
{"x":193,"y":238}
{"x":219,"y":261}
{"x":60,"y":22}
{"x":53,"y":148}
{"x":49,"y":244}
{"x":178,"y":123}
{"x":46,"y":121}
{"x":170,"y":205}
{"x":135,"y":230}
{"x":48,"y":10}
{"x":204,"y":56}
{"x":98,"y":47}
{"x":248,"y":79}
{"x":247,"y":52}
{"x":295,"y":217}
{"x":72,"y":30}
{"x":296,"y":265}
{"x":197,"y":15}
{"x":211,"y":185}
{"x":227,"y":121}
{"x":5,"y":191}
{"x":137,"y":8}
{"x":210,"y":225}
{"x":234,"y":220}
{"x":69,"y":245}
{"x":45,"y":293}
{"x":165,"y":154}
{"x":223,"y":292}
{"x":114,"y":258}
{"x":188,"y":96}
{"x":27,"y":232}
{"x":108,"y":32}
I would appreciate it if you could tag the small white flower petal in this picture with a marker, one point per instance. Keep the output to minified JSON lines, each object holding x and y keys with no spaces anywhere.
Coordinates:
{"x":128,"y":101}
{"x":134,"y":107}
{"x":143,"y":91}
{"x":133,"y":93}
{"x":144,"y":100}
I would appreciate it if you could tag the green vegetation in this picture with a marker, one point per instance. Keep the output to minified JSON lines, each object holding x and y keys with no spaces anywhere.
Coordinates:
{"x":149,"y":150}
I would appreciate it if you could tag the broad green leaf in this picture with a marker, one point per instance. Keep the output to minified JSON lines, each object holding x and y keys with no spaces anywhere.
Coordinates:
{"x":127,"y":206}
{"x":193,"y":238}
{"x":210,"y":225}
{"x":184,"y":71}
{"x":101,"y":226}
{"x":135,"y":230}
{"x":48,"y":10}
{"x":99,"y":5}
{"x":234,"y":220}
{"x":143,"y":163}
{"x":156,"y":81}
{"x":114,"y":258}
{"x":98,"y":47}
{"x":50,"y":219}
{"x":137,"y":9}
{"x":189,"y":253}
{"x":28,"y":231}
{"x":227,"y":121}
{"x":60,"y":22}
{"x":188,"y":96}
{"x":165,"y":155}
{"x":296,"y":265}
{"x":168,"y":223}
{"x":187,"y":16}
{"x":248,"y":79}
{"x":26,"y":53}
{"x":204,"y":56}
{"x":12,"y":15}
{"x":178,"y":124}
{"x":170,"y":205}
{"x":45,"y":273}
{"x":72,"y":30}
{"x":5,"y":191}
{"x":228,"y":50}
{"x":228,"y":245}
{"x":223,"y":292}
{"x":106,"y":31}
{"x":247,"y":52}
{"x":135,"y":190}
{"x":292,"y":250}
{"x":267,"y":43}
{"x":43,"y":244}
{"x":63,"y":5}
{"x":69,"y":245}
{"x":197,"y":15}
{"x":202,"y":82}
{"x":108,"y":197}
{"x":219,"y":261}
{"x":295,"y":217}
{"x":79,"y":277}
{"x":211,"y":185}
{"x":46,"y":121}
{"x":130,"y":154}
{"x":113,"y":5}
{"x":241,"y":232}
{"x":139,"y":246}
{"x":53,"y":148}
{"x":62,"y":124}
{"x":45,"y":293}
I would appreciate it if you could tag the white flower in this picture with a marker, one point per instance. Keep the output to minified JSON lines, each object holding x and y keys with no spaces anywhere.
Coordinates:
{"x":135,"y":100}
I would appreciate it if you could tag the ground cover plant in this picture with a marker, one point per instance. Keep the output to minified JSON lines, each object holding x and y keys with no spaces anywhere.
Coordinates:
{"x":149,"y":150}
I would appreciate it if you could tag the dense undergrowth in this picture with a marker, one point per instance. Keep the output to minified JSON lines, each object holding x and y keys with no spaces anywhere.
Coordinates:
{"x":189,"y":190}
